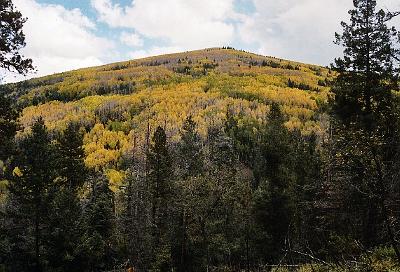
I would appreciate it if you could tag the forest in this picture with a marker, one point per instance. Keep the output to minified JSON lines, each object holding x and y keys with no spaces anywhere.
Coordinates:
{"x":208,"y":160}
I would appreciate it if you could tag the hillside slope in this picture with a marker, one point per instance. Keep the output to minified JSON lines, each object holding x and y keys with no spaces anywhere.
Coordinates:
{"x":118,"y":103}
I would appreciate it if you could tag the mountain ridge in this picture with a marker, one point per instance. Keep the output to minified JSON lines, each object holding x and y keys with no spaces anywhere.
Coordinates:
{"x":177,"y":54}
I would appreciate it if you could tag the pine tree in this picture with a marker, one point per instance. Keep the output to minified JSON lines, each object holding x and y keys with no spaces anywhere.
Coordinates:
{"x":96,"y":245}
{"x":65,"y":232}
{"x":71,"y":165}
{"x":367,"y":72}
{"x":222,"y":209}
{"x":30,"y":194}
{"x":160,"y":174}
{"x":190,"y":150}
{"x":8,"y":128}
{"x":273,"y":202}
{"x":190,"y":162}
{"x":135,"y":225}
{"x":307,"y":166}
{"x":244,"y":137}
{"x":64,"y":220}
{"x":160,"y":182}
{"x":12,"y":39}
{"x":365,"y":122}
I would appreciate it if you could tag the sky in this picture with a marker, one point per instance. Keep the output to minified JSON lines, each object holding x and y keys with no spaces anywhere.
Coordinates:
{"x":62,"y":35}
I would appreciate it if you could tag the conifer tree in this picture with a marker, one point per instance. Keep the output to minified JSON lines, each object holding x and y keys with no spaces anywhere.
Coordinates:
{"x":367,"y":71}
{"x":71,"y":165}
{"x":31,"y":193}
{"x":65,"y":232}
{"x":365,"y":122}
{"x":220,"y":220}
{"x":190,"y":149}
{"x":244,"y":137}
{"x":65,"y":226}
{"x":12,"y":39}
{"x":98,"y":217}
{"x":135,"y":220}
{"x":159,"y":178}
{"x":273,"y":202}
{"x":160,"y":173}
{"x":8,"y":128}
{"x":190,"y":165}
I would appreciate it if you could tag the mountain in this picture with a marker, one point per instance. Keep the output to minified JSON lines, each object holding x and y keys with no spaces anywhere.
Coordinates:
{"x":119,"y":104}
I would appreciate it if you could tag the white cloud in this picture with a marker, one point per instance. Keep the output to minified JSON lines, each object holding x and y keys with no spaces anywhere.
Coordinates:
{"x":300,"y":30}
{"x":185,"y":23}
{"x":59,"y":39}
{"x":155,"y":51}
{"x":131,"y":39}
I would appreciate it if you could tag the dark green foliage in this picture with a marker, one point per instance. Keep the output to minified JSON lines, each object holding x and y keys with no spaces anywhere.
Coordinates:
{"x":161,"y":188}
{"x":367,"y":70}
{"x":71,"y":166}
{"x":302,"y":86}
{"x":307,"y":165}
{"x":65,"y":231}
{"x":183,"y":70}
{"x":134,"y":223}
{"x":190,"y":162}
{"x":190,"y":166}
{"x":31,"y":194}
{"x":8,"y":128}
{"x":96,"y":246}
{"x":272,"y":64}
{"x":65,"y":228}
{"x":120,"y":88}
{"x":12,"y":39}
{"x":212,"y":65}
{"x":273,"y":205}
{"x":244,"y":137}
{"x":286,"y":169}
{"x":159,"y":169}
{"x":42,"y":217}
{"x":365,"y":129}
{"x":249,"y":199}
{"x":323,"y":83}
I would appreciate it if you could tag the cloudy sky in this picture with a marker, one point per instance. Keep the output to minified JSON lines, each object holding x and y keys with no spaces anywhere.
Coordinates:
{"x":68,"y":34}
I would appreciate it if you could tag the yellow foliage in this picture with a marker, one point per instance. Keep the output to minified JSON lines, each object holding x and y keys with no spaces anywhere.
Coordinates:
{"x":116,"y":103}
{"x":116,"y":179}
{"x":17,"y":172}
{"x":103,"y":148}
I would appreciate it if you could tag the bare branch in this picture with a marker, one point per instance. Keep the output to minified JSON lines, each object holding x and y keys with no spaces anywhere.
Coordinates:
{"x":396,"y":57}
{"x":309,"y":256}
{"x":391,"y":15}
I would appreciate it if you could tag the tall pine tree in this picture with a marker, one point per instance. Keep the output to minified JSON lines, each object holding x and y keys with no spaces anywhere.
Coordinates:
{"x":365,"y":122}
{"x":190,"y":150}
{"x":8,"y":128}
{"x":30,"y":197}
{"x":65,"y":226}
{"x":272,"y":208}
{"x":71,"y":165}
{"x":159,"y":178}
{"x":98,"y":219}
